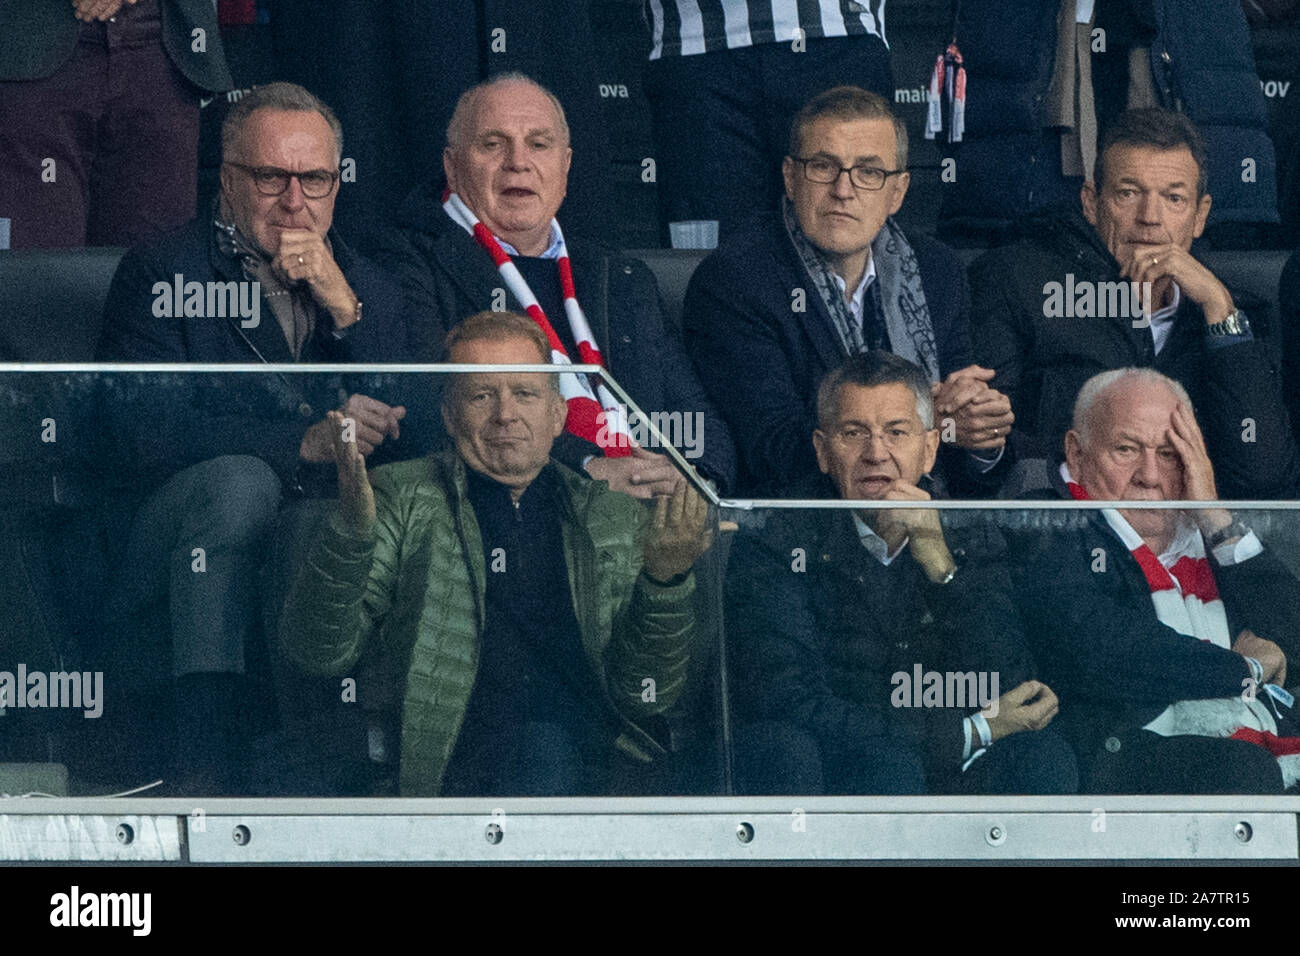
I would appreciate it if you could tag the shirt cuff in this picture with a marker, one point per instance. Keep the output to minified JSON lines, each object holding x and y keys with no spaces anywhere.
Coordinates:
{"x":982,"y":460}
{"x":974,"y":727}
{"x":888,"y":558}
{"x":1223,"y":341}
{"x":1235,"y":552}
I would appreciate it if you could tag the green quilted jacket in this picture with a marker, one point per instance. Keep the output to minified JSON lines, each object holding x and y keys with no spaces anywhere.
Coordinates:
{"x":408,"y":600}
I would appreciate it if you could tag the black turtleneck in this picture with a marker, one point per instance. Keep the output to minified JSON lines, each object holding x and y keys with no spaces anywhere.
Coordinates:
{"x":543,"y":277}
{"x":532,"y":666}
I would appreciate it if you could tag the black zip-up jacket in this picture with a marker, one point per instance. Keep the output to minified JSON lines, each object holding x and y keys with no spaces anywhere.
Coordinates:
{"x":817,"y":627}
{"x":1043,"y":361}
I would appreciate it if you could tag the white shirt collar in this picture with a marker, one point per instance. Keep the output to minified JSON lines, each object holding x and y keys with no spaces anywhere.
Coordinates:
{"x":552,"y":250}
{"x":1168,"y":311}
{"x":874,"y":543}
{"x":855,"y":303}
{"x":1187,"y":543}
{"x":1162,"y":320}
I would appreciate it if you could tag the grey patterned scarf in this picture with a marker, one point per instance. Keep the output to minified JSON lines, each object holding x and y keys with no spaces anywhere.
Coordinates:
{"x":907,"y":317}
{"x":293,"y":306}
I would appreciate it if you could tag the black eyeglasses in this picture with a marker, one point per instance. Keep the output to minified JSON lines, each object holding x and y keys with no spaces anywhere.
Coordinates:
{"x":273,"y":181}
{"x":818,"y":169}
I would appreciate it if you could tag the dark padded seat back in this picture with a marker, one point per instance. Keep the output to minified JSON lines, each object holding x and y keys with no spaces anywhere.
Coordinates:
{"x":51,"y":302}
{"x":673,"y":269}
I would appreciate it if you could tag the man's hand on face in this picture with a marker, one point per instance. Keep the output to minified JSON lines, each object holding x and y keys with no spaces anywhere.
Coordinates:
{"x":919,"y":526}
{"x":303,"y":257}
{"x":356,"y":497}
{"x":1153,"y":263}
{"x":982,"y":415}
{"x":1028,"y":706}
{"x":1198,"y":473}
{"x":373,"y":422}
{"x":678,"y":535}
{"x":1268,"y":654}
{"x":90,"y":10}
{"x":642,"y":474}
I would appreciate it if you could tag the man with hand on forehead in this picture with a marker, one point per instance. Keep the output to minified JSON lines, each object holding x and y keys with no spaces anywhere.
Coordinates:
{"x":519,"y":627}
{"x":1150,"y":621}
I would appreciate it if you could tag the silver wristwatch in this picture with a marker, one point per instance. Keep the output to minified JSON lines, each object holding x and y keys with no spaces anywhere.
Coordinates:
{"x":1235,"y":324}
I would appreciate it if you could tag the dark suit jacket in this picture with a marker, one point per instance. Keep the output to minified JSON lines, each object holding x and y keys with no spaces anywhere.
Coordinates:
{"x":817,"y":647}
{"x":1288,"y":297}
{"x":1042,"y":361}
{"x":38,"y":36}
{"x":761,"y":361}
{"x":447,"y":277}
{"x":163,"y":426}
{"x":1098,"y":642}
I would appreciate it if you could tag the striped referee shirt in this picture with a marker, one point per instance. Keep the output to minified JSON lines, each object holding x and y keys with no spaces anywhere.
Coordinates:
{"x":685,"y":27}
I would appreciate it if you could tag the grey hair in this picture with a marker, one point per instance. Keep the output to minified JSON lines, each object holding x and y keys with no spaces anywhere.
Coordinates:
{"x":458,"y":127}
{"x":1097,"y":386}
{"x":289,"y":97}
{"x":869,"y":369}
{"x":499,"y":327}
{"x":848,"y":103}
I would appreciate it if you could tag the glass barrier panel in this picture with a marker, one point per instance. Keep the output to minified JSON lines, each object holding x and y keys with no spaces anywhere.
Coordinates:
{"x":206,"y":594}
{"x":190,"y":596}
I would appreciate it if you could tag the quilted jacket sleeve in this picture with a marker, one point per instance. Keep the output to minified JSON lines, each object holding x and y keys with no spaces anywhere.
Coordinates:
{"x":652,"y":634}
{"x":345,"y":588}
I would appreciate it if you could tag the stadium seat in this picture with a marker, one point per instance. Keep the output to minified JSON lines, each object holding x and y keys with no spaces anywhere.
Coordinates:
{"x":51,"y":301}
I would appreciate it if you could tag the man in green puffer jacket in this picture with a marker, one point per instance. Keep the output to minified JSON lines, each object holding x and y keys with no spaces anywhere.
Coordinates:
{"x":524,"y":624}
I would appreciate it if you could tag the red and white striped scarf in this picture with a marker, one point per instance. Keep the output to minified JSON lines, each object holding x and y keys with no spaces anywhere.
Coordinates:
{"x":594,"y":413}
{"x":1185,"y":596}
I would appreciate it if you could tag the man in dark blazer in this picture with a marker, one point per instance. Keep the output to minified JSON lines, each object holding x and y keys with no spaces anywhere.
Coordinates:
{"x":1288,"y":299}
{"x":833,"y":616}
{"x":1056,"y":307}
{"x":507,"y":160}
{"x":99,"y":116}
{"x":1131,"y":611}
{"x":211,"y":458}
{"x":792,"y":294}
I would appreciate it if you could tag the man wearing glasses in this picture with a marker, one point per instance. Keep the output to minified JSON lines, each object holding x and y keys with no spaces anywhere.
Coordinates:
{"x":209,"y":458}
{"x":826,"y":662}
{"x":794,"y":293}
